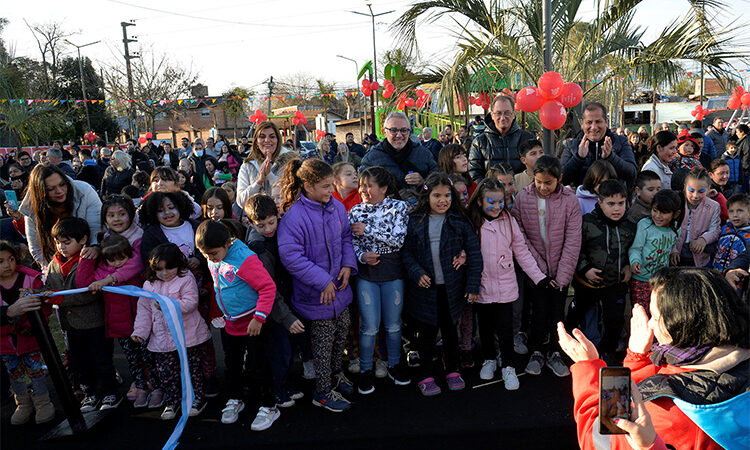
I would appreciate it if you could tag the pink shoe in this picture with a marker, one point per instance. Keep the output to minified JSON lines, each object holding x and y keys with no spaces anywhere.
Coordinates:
{"x":156,"y":399}
{"x":132,"y":392}
{"x":428,"y":387}
{"x":454,"y":381}
{"x":141,"y":398}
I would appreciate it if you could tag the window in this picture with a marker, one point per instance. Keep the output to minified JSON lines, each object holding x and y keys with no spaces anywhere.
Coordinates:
{"x":205,"y":113}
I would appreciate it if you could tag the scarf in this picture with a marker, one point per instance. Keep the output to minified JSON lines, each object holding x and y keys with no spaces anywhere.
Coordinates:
{"x":399,"y":156}
{"x":133,"y":233}
{"x":675,"y":356}
{"x":66,"y":266}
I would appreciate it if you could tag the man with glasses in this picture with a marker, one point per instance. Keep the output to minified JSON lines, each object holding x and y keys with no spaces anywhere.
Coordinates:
{"x":408,"y":161}
{"x":500,"y":141}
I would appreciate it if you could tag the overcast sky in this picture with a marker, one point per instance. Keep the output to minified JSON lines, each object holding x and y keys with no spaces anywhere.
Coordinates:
{"x":241,"y":43}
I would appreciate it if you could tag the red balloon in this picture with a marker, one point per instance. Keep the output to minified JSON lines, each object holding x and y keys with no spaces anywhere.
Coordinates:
{"x":420,"y":93}
{"x":409,"y":102}
{"x":142,"y":140}
{"x":365,"y":83}
{"x":529,"y":100}
{"x":374,"y":86}
{"x":295,"y":121}
{"x":387,"y":93}
{"x":552,"y":114}
{"x":571,"y":95}
{"x":366,"y":92}
{"x":745,"y":99}
{"x":734,"y":102}
{"x":303,"y":120}
{"x":550,"y":85}
{"x":258,"y":112}
{"x":149,"y":135}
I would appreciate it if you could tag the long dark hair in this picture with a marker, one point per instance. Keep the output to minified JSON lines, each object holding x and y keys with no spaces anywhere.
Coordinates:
{"x":434,"y":180}
{"x":223,"y":197}
{"x":111,"y":200}
{"x":474,"y":209}
{"x":171,"y":255}
{"x":662,"y":138}
{"x":255,"y":153}
{"x":445,"y":160}
{"x":382,"y":177}
{"x":44,"y":213}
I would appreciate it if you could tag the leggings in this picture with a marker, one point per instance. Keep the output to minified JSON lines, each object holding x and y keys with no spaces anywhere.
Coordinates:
{"x":258,"y":365}
{"x":466,"y":328}
{"x":427,"y":337}
{"x":328,"y":338}
{"x":496,"y":319}
{"x":20,"y":367}
{"x":168,"y":368}
{"x":140,"y":362}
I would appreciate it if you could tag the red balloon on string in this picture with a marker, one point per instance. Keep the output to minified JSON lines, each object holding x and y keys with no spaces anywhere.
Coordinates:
{"x":295,"y":121}
{"x":552,"y":114}
{"x":387,"y":93}
{"x":745,"y":99}
{"x":529,"y":100}
{"x":571,"y":95}
{"x":374,"y":86}
{"x":550,"y":85}
{"x":149,"y":135}
{"x":142,"y":140}
{"x":734,"y":102}
{"x":409,"y":102}
{"x":366,"y":92}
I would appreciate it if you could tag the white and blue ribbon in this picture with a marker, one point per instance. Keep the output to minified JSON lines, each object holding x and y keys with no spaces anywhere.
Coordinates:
{"x":170,"y":308}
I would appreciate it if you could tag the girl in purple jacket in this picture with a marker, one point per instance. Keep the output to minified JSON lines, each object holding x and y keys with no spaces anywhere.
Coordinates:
{"x":315,"y":245}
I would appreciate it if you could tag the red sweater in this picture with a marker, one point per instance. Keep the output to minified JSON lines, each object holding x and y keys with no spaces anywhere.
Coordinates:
{"x":352,"y":199}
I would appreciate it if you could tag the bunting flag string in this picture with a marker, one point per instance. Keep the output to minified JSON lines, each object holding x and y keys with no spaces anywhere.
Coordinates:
{"x":170,"y":308}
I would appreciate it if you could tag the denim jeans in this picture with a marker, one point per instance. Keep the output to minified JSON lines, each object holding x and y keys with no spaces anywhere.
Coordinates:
{"x":383,"y":299}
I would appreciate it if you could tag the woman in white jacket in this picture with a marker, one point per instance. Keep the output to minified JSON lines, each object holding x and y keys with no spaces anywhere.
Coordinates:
{"x":663,"y":149}
{"x":258,"y":172}
{"x":52,"y":195}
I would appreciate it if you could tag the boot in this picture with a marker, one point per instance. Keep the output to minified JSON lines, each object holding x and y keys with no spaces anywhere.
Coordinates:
{"x":45,"y":410}
{"x":23,"y":411}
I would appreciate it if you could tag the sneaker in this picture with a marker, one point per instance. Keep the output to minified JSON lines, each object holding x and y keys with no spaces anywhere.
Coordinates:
{"x":510,"y":379}
{"x":197,"y":408}
{"x":211,"y":387}
{"x":118,"y":377}
{"x":354,"y":366}
{"x":132,"y":392}
{"x":141,"y":398}
{"x":454,"y":381}
{"x":110,"y":402}
{"x":294,"y":394}
{"x":232,"y":411}
{"x":534,"y":367}
{"x":156,"y":399}
{"x":308,"y":370}
{"x":170,"y":412}
{"x":399,"y":375}
{"x":555,"y":362}
{"x":283,"y":400}
{"x":412,"y":358}
{"x":366,"y":383}
{"x":381,"y":369}
{"x":89,"y":403}
{"x":333,"y":401}
{"x":265,"y":418}
{"x":428,"y":387}
{"x":343,"y":384}
{"x":519,"y":344}
{"x":467,"y":359}
{"x":489,"y":366}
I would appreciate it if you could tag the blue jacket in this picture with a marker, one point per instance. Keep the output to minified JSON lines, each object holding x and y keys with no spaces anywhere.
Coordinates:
{"x":732,"y":243}
{"x":420,"y":160}
{"x":434,"y":146}
{"x":735,"y":167}
{"x":622,"y":159}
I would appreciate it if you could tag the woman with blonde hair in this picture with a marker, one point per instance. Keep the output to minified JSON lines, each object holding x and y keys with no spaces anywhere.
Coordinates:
{"x":118,"y":175}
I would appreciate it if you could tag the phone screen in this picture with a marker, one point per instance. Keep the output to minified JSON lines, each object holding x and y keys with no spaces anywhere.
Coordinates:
{"x":12,"y":199}
{"x":614,"y":398}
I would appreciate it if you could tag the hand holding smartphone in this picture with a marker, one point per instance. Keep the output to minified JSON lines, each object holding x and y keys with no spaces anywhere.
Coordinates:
{"x":614,"y":398}
{"x":12,"y":199}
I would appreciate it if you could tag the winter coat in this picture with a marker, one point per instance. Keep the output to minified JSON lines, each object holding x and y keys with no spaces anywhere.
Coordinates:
{"x":246,"y":186}
{"x":719,"y":139}
{"x":735,"y":167}
{"x":150,"y":323}
{"x":708,"y":145}
{"x":732,"y":243}
{"x":82,"y":311}
{"x":385,"y":226}
{"x":715,"y":389}
{"x":604,"y":246}
{"x":16,"y":338}
{"x":491,"y":148}
{"x":743,"y":149}
{"x":434,"y":146}
{"x":704,"y":222}
{"x":655,"y":165}
{"x":86,"y":205}
{"x":420,"y":160}
{"x":639,"y":210}
{"x":89,"y":172}
{"x":622,"y":159}
{"x":315,"y":242}
{"x":357,"y":149}
{"x":563,"y":223}
{"x":688,"y":162}
{"x":456,"y":235}
{"x":651,"y":248}
{"x":586,"y":199}
{"x":119,"y":310}
{"x":114,"y":180}
{"x":501,"y":241}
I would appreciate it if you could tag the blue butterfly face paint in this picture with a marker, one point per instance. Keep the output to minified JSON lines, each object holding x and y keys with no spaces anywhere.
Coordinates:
{"x":695,"y":191}
{"x":493,"y":203}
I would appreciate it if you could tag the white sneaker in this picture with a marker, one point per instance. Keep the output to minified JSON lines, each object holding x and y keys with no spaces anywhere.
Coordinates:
{"x":354,"y":366}
{"x":519,"y":344}
{"x":489,"y":367}
{"x":510,"y":378}
{"x":170,"y":412}
{"x":308,"y":370}
{"x":265,"y":418}
{"x":231,"y":412}
{"x":381,"y":369}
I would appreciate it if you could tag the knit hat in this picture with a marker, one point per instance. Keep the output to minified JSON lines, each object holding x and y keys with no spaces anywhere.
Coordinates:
{"x":685,"y":137}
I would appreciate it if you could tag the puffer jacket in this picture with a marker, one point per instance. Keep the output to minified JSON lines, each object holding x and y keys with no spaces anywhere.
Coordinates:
{"x":501,"y":241}
{"x":315,"y":242}
{"x":16,"y":338}
{"x":720,"y":139}
{"x":586,"y":199}
{"x":732,"y":243}
{"x":563,"y":223}
{"x":704,"y":222}
{"x":490,"y":148}
{"x":605,"y":245}
{"x":622,"y":159}
{"x":655,"y":165}
{"x":420,"y":160}
{"x":114,"y":180}
{"x":150,"y":323}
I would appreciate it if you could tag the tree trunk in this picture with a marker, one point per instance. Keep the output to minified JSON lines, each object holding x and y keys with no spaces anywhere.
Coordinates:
{"x":235,"y":129}
{"x":622,"y":106}
{"x":653,"y":109}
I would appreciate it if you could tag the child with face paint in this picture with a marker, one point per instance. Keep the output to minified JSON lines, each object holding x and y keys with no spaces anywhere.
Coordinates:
{"x":108,"y":268}
{"x":701,"y":224}
{"x":501,"y":240}
{"x":167,"y":274}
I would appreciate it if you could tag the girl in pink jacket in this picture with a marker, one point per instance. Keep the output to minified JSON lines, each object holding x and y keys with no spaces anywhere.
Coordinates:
{"x":550,"y":217}
{"x":501,"y":240}
{"x":169,"y":276}
{"x":701,"y":223}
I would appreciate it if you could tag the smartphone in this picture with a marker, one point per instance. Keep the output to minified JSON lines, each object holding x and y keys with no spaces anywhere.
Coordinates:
{"x":614,"y":398}
{"x":12,"y":199}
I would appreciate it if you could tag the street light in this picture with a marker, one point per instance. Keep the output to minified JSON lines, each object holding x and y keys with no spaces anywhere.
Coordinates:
{"x":356,"y":86}
{"x":83,"y":85}
{"x":373,"y":16}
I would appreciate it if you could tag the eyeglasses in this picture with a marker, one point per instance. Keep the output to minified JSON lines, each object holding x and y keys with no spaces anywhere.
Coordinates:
{"x":395,"y":131}
{"x":506,"y":114}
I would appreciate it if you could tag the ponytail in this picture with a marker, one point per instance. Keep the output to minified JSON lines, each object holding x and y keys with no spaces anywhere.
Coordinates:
{"x":296,"y":174}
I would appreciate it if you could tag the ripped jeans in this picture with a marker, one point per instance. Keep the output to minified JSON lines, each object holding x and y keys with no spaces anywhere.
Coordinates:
{"x":379,"y":299}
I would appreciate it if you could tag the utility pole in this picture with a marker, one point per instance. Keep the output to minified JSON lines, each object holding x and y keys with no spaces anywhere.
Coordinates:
{"x":132,"y":126}
{"x":83,"y":83}
{"x":547,"y":137}
{"x":271,"y":85}
{"x":374,"y":52}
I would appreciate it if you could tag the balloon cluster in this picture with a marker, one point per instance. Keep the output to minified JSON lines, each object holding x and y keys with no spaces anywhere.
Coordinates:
{"x":483,"y":100}
{"x":369,"y":87}
{"x":700,"y":112}
{"x":258,"y":117}
{"x":422,"y":98}
{"x":405,"y":102}
{"x":388,"y":88}
{"x":299,"y":118}
{"x":551,"y":96}
{"x":90,"y":136}
{"x":320,"y":134}
{"x":739,"y":99}
{"x":143,"y":140}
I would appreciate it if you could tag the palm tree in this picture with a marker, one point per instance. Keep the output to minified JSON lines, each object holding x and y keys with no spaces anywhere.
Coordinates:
{"x":235,"y":107}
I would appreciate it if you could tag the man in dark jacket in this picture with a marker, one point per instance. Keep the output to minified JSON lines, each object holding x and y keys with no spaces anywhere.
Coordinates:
{"x":432,"y":144}
{"x":500,"y":141}
{"x":102,"y":160}
{"x":719,"y":136}
{"x":408,"y":161}
{"x":198,"y":158}
{"x":598,"y":142}
{"x":358,"y":149}
{"x":139,"y":159}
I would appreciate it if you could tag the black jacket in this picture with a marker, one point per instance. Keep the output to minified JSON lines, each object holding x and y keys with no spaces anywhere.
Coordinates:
{"x":114,"y":180}
{"x":490,"y":148}
{"x":622,"y":159}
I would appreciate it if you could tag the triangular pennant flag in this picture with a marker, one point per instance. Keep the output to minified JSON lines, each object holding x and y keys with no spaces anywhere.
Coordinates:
{"x":179,"y":102}
{"x":213,"y":100}
{"x":148,"y":102}
{"x":29,"y":101}
{"x":192,"y":100}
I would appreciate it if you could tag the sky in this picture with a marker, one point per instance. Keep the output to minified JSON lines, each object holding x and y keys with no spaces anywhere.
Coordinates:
{"x":241,"y":43}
